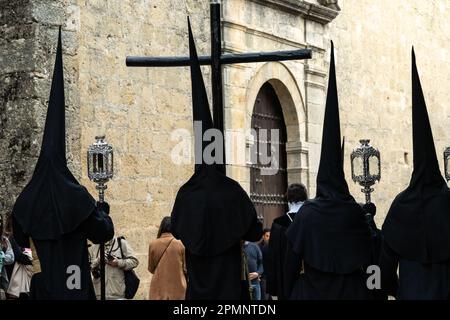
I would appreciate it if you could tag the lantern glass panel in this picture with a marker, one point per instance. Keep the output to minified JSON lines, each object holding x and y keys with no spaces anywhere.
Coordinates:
{"x":101,"y":166}
{"x":374,"y":166}
{"x":95,"y":163}
{"x":111,"y":165}
{"x":106,"y":162}
{"x":358,"y":166}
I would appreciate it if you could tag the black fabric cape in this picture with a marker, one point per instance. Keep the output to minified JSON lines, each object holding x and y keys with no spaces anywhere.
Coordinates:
{"x":211,"y":215}
{"x":417,"y":226}
{"x":329,"y":233}
{"x":57,"y":212}
{"x":53,"y":203}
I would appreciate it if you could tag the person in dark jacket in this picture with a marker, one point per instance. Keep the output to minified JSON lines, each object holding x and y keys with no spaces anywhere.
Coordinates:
{"x":57,"y":213}
{"x":296,"y":195}
{"x":264,"y":247}
{"x":255,"y":267}
{"x":212,"y":214}
{"x":329,"y":240}
{"x":417,"y":227}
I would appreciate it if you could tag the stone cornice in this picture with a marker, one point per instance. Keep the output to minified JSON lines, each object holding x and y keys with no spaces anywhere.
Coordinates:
{"x":229,"y":23}
{"x":307,"y":10}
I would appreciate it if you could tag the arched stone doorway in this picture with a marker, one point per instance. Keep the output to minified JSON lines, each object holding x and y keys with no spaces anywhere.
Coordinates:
{"x":268,"y":187}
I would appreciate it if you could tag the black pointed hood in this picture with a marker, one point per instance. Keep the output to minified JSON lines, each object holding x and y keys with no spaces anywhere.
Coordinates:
{"x":418,"y":223}
{"x":53,"y":203}
{"x":200,"y":105}
{"x":426,"y":174}
{"x":330,"y":232}
{"x":211,"y":212}
{"x":330,"y":178}
{"x":54,"y":138}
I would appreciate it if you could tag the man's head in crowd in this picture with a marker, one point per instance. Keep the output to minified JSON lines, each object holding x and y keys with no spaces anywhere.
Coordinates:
{"x":296,"y":192}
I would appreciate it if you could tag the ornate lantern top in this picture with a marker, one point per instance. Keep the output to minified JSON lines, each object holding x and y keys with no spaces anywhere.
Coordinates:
{"x":100,"y":161}
{"x":366,"y":166}
{"x":447,"y":163}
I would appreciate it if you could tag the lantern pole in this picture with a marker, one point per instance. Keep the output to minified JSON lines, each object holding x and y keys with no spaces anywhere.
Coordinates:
{"x":447,"y":163}
{"x":367,"y":177}
{"x":100,"y":170}
{"x":101,"y":187}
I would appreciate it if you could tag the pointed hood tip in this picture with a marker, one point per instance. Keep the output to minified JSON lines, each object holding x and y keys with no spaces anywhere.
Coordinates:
{"x":53,"y":141}
{"x":200,"y":104}
{"x":426,"y":165}
{"x":331,"y":181}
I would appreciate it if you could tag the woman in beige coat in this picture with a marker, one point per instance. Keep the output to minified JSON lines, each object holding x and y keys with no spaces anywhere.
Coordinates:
{"x":167,"y":264}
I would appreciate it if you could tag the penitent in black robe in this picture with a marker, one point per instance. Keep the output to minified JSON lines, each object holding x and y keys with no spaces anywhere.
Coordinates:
{"x":57,"y":212}
{"x":417,"y":227}
{"x":212,"y":214}
{"x":329,"y":241}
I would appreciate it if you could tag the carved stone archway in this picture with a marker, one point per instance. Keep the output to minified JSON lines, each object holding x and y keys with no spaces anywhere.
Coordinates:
{"x":294,"y":113}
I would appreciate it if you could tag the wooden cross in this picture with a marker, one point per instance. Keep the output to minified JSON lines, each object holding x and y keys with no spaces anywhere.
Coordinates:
{"x":216,"y":60}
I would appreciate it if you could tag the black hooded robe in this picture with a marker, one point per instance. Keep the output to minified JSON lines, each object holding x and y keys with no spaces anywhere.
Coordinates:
{"x":212,"y":215}
{"x":329,"y":241}
{"x":58,"y":213}
{"x":417,"y":226}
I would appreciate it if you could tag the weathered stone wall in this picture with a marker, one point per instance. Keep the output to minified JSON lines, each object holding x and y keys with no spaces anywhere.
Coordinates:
{"x":373,"y":42}
{"x":28,"y":40}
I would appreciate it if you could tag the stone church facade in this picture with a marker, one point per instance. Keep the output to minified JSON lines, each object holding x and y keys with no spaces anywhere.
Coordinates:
{"x":140,"y":108}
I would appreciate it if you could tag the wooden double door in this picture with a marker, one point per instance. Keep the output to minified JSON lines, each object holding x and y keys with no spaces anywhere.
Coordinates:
{"x":268,"y":191}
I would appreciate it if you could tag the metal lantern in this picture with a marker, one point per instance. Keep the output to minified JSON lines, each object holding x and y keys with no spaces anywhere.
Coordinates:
{"x":100,"y":163}
{"x":447,"y":163}
{"x":366,"y":167}
{"x":100,"y":169}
